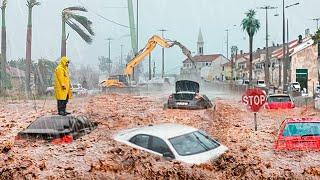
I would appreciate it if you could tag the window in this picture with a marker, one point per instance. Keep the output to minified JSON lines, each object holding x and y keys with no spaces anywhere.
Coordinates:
{"x":141,"y":140}
{"x":279,"y":99}
{"x":158,"y":145}
{"x":302,"y":129}
{"x":193,"y":143}
{"x":56,"y":123}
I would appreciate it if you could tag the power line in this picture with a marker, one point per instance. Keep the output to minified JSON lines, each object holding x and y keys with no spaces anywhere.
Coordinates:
{"x":97,"y":14}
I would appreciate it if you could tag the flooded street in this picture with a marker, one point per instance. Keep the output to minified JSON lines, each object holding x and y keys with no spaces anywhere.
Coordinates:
{"x":97,"y":155}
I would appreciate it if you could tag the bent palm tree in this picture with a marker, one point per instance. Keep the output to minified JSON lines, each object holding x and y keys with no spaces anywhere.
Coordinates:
{"x":70,"y":17}
{"x":30,"y":5}
{"x":251,"y":25}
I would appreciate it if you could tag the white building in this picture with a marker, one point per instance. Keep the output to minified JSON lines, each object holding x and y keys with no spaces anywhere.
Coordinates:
{"x":209,"y":66}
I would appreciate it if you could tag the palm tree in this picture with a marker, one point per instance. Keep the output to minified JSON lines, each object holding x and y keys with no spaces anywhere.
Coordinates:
{"x":3,"y":44}
{"x":70,"y":17}
{"x":251,"y":25}
{"x":30,"y":5}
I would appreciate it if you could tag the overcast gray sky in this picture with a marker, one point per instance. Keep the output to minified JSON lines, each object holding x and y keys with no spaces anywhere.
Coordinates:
{"x":183,"y":19}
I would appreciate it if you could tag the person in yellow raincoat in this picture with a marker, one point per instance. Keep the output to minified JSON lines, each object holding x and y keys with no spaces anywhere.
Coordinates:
{"x":62,"y":89}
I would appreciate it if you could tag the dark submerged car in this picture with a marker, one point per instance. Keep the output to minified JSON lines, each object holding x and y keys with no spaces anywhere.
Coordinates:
{"x":187,"y":97}
{"x":58,"y":129}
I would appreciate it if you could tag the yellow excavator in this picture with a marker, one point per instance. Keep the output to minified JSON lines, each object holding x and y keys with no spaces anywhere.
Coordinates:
{"x":120,"y":81}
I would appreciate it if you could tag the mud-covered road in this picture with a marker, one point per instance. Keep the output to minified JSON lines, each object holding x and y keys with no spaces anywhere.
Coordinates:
{"x":98,"y":156}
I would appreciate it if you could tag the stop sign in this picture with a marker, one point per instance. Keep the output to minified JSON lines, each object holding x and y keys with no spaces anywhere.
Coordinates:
{"x":254,"y":99}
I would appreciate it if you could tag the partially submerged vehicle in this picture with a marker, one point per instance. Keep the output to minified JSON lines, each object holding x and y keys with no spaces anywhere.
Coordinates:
{"x":173,"y":141}
{"x":279,"y":101}
{"x":261,"y":84}
{"x":58,"y":129}
{"x":299,"y":134}
{"x":187,"y":97}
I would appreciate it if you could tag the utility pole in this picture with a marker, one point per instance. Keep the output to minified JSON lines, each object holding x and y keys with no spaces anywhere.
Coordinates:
{"x":121,"y":55}
{"x":138,"y":25}
{"x":317,"y":21}
{"x":284,"y":48}
{"x":150,"y":73}
{"x":288,"y":55}
{"x":234,"y":52}
{"x":154,"y":69}
{"x":162,"y":72}
{"x":109,"y":54}
{"x":227,"y":30}
{"x":285,"y":57}
{"x":267,"y":61}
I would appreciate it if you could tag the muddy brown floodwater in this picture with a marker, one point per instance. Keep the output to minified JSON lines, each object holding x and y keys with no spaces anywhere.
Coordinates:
{"x":98,"y":156}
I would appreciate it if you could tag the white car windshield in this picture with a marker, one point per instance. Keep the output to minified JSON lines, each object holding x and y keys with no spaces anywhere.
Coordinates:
{"x":193,"y":143}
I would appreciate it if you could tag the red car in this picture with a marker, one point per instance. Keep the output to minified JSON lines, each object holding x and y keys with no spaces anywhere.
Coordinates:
{"x":279,"y":101}
{"x":299,"y":134}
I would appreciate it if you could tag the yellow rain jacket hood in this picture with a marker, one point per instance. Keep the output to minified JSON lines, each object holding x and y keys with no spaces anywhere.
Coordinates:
{"x":62,"y":79}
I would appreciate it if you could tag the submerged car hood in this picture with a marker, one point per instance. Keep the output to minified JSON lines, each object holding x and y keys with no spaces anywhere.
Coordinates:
{"x":188,"y":86}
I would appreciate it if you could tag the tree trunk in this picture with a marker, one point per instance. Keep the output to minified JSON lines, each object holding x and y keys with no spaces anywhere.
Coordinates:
{"x":63,"y":39}
{"x":28,"y":53}
{"x":250,"y":60}
{"x":3,"y":50}
{"x":285,"y":71}
{"x":266,"y":68}
{"x":232,"y":62}
{"x":280,"y":72}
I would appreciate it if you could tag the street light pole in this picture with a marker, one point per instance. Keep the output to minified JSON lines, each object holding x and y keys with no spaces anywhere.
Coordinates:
{"x":121,"y":57}
{"x":267,"y":62}
{"x":138,"y":25}
{"x":162,"y":72}
{"x":109,"y":54}
{"x":317,"y":21}
{"x":283,"y":48}
{"x":288,"y":56}
{"x":227,"y":43}
{"x":285,"y":56}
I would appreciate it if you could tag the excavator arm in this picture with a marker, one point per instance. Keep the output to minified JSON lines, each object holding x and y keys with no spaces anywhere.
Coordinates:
{"x":153,"y":41}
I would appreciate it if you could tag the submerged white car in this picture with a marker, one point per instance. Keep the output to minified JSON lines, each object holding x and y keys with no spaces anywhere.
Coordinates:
{"x":173,"y":141}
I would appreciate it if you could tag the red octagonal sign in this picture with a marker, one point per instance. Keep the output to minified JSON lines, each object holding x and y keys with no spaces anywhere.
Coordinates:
{"x":254,"y":99}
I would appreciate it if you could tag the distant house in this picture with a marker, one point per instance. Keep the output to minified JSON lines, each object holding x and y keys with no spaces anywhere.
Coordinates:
{"x":17,"y":77}
{"x":303,"y":63}
{"x":207,"y":66}
{"x":227,"y":71}
{"x":242,"y":67}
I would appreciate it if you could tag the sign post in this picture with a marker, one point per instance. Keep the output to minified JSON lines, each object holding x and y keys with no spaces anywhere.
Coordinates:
{"x":255,"y":122}
{"x":254,"y":99}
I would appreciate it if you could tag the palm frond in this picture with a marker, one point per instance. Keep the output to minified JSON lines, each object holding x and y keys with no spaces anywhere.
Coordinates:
{"x":32,"y":3}
{"x":250,"y":24}
{"x":84,"y":21}
{"x":4,"y":4}
{"x":76,"y":8}
{"x":316,"y":37}
{"x":81,"y":33}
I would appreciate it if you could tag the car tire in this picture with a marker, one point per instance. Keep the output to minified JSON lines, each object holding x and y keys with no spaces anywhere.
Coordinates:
{"x":165,"y":106}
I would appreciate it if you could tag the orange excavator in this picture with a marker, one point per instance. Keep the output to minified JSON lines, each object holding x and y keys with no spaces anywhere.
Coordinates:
{"x":120,"y":81}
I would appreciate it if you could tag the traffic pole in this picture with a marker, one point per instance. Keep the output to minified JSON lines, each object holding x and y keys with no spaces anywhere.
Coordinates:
{"x":255,"y":122}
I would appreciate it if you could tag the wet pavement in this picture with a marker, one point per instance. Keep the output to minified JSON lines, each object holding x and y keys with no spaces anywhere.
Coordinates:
{"x":98,"y":156}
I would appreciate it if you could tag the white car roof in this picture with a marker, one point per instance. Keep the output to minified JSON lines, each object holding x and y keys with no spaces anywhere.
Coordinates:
{"x":164,"y":131}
